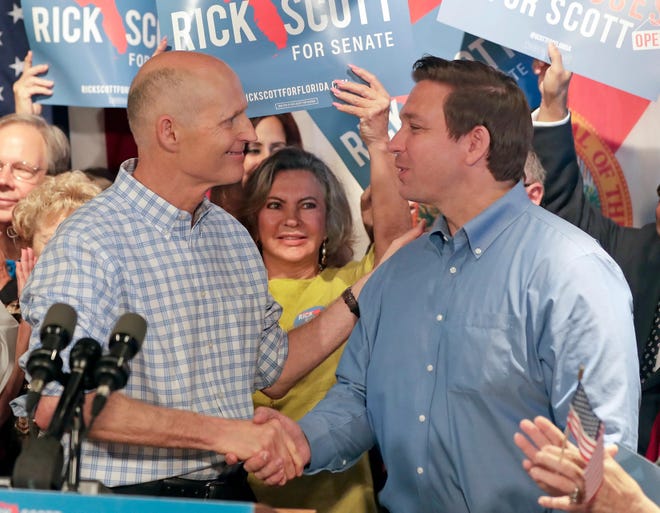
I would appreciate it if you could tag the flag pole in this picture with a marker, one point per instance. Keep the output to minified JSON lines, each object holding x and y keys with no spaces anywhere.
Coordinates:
{"x":566,"y":429}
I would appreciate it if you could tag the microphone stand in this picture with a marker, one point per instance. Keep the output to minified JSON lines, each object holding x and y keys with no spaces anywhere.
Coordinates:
{"x":75,"y":447}
{"x":40,"y":464}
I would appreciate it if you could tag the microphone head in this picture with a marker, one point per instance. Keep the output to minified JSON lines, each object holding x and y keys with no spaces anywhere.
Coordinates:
{"x":61,"y":316}
{"x":130,"y":328}
{"x":83,"y":358}
{"x":86,"y":349}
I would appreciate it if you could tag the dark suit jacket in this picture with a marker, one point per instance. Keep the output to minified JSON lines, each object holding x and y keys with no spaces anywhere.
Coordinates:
{"x":636,"y":250}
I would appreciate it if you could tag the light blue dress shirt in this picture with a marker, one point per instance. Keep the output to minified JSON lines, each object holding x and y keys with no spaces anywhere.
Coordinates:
{"x":462,"y":337}
{"x":213,"y":336}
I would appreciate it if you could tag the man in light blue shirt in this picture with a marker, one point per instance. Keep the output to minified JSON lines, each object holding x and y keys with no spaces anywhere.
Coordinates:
{"x":478,"y":324}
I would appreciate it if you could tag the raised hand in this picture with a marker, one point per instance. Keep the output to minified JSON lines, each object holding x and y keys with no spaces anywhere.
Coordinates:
{"x":162,"y":46}
{"x":24,"y":267}
{"x":538,"y":434}
{"x":554,"y":80}
{"x":370,"y":103}
{"x":30,"y":84}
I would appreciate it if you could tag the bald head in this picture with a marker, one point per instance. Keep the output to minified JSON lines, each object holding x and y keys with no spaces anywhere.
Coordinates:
{"x":176,"y":83}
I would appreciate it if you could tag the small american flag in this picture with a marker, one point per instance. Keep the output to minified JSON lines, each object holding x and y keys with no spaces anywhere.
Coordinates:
{"x":588,"y":431}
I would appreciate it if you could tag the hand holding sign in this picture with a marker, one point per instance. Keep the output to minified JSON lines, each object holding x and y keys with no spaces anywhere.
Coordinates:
{"x":370,"y":103}
{"x":553,"y":84}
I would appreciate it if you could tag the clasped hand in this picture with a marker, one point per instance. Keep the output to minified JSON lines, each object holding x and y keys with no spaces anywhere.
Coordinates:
{"x":279,"y":450}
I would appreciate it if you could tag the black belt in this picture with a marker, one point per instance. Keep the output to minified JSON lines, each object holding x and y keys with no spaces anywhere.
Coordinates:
{"x":232,"y":485}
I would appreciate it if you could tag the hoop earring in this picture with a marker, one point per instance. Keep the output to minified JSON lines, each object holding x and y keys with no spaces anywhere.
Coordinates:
{"x":323,"y":255}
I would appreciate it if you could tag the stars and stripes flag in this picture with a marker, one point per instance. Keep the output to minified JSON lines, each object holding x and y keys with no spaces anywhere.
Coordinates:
{"x":13,"y":47}
{"x":588,"y":431}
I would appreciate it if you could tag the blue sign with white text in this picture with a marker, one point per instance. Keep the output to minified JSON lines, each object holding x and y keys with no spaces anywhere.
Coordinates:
{"x":287,"y":53}
{"x":613,"y":42}
{"x":93,"y":47}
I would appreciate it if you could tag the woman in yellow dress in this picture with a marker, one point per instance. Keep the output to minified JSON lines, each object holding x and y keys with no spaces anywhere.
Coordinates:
{"x":298,"y":214}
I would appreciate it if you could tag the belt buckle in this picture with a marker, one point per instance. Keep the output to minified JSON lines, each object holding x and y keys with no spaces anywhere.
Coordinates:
{"x":209,"y":489}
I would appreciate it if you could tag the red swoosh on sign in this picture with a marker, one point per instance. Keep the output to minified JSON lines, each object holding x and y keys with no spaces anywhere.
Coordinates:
{"x":269,"y":22}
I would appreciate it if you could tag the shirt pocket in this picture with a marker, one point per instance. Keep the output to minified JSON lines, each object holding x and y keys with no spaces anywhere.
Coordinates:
{"x":486,"y":353}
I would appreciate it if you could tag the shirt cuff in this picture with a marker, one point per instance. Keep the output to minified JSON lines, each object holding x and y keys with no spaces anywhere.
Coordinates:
{"x":324,"y":454}
{"x":536,"y":123}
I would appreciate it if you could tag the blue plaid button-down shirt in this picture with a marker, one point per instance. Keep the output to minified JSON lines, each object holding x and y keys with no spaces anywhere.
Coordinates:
{"x":213,"y":335}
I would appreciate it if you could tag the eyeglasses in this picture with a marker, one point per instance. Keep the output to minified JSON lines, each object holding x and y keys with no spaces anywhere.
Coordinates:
{"x":22,"y":171}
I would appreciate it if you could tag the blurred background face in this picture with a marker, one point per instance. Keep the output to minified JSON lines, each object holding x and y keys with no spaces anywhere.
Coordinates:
{"x":19,"y":143}
{"x":291,"y":225}
{"x":270,"y":138}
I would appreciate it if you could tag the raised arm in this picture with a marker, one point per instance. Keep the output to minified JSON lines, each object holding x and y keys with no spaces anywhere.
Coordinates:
{"x":554,"y":144}
{"x":371,"y":104}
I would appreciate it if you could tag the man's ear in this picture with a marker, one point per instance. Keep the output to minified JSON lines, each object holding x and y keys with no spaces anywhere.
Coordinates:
{"x":166,"y":133}
{"x":477,"y":143}
{"x":535,"y":192}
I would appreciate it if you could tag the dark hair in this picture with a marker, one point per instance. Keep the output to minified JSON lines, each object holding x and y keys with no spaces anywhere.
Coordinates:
{"x":338,"y":220}
{"x":291,"y":130}
{"x":481,"y":95}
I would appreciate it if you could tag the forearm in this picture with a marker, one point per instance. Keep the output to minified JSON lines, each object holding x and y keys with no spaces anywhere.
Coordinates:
{"x":314,"y":341}
{"x":129,"y":421}
{"x":132,"y":422}
{"x":391,"y":213}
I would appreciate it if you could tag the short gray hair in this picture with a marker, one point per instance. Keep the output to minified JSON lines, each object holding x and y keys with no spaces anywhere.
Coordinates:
{"x":58,"y":149}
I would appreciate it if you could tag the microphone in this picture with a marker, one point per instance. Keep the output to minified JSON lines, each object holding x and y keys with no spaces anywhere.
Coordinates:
{"x":82,"y":360}
{"x":45,"y":364}
{"x":112,"y":370}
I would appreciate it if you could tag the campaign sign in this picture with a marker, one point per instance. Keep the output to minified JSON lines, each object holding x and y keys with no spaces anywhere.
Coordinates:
{"x":287,"y":52}
{"x":93,"y":47}
{"x":616,"y":42}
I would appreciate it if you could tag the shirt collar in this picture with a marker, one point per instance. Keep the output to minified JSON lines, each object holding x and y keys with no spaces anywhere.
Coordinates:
{"x":154,"y":209}
{"x":483,"y":229}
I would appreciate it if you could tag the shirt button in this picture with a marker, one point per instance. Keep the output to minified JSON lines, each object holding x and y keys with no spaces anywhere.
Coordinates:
{"x":203,"y":294}
{"x":477,"y":251}
{"x":439,"y":317}
{"x":420,"y":470}
{"x":452,"y":270}
{"x":422,"y":418}
{"x":429,"y":367}
{"x":343,"y":462}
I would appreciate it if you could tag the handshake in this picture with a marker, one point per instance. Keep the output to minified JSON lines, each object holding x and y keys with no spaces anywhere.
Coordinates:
{"x":273,"y":447}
